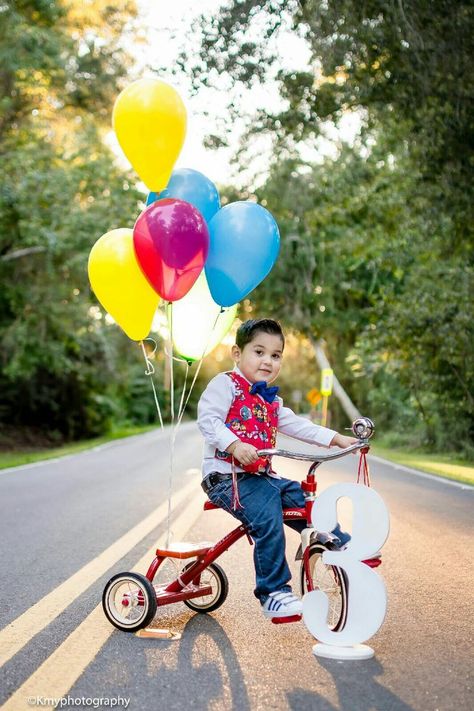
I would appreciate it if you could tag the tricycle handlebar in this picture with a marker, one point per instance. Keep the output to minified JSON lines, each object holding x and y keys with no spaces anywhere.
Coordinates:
{"x":312,"y":457}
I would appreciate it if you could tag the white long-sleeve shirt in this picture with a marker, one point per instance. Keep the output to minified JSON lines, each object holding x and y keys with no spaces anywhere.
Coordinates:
{"x":213,"y":408}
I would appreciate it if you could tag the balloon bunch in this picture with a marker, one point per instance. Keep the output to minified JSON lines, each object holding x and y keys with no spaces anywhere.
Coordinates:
{"x":184,"y":247}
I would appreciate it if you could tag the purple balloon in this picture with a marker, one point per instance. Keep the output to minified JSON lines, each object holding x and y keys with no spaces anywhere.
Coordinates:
{"x":171,"y":243}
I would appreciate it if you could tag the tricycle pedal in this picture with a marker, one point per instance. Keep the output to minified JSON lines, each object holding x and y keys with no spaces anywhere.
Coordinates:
{"x":282,"y":620}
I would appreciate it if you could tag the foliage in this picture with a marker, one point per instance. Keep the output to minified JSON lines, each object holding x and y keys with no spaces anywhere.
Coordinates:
{"x":62,"y":64}
{"x":378,"y":243}
{"x":368,"y":271}
{"x":409,"y":59}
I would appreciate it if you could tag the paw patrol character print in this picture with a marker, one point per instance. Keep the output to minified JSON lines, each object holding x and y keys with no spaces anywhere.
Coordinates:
{"x":260,"y":412}
{"x":245,"y":413}
{"x":236,"y":425}
{"x":221,"y":455}
{"x":254,"y":434}
{"x":239,"y":393}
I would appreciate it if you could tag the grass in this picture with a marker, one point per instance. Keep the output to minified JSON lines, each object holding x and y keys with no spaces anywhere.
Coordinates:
{"x":15,"y":459}
{"x":438,"y":464}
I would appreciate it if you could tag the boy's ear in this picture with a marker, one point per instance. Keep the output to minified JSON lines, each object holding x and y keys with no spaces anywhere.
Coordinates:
{"x":235,"y":352}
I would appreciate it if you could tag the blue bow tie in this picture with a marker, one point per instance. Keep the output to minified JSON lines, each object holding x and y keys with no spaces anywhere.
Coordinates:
{"x":261,"y":388}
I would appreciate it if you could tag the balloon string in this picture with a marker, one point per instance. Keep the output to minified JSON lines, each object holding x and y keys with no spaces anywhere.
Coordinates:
{"x":182,"y":408}
{"x":176,"y":358}
{"x":190,"y":391}
{"x":181,"y":413}
{"x":172,"y":431}
{"x":171,"y":358}
{"x":183,"y":391}
{"x":187,"y":363}
{"x":150,"y":369}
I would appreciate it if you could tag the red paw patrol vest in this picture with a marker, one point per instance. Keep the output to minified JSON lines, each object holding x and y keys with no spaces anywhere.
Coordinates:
{"x":253,"y":421}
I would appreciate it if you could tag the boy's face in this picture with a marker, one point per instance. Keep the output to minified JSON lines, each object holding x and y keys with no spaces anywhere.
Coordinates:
{"x":261,"y":358}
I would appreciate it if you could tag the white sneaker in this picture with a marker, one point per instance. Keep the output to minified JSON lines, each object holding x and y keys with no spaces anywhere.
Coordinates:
{"x":282,"y":604}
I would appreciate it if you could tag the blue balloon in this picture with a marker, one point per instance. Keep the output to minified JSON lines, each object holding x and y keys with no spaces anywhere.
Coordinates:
{"x":244,"y":244}
{"x":191,"y":186}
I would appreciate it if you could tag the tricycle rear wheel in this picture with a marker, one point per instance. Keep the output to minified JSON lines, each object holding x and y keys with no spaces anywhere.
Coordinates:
{"x":214,"y":576}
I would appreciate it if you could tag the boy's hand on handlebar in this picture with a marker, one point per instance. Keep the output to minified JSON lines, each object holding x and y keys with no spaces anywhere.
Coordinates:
{"x":244,"y":453}
{"x":342,"y":441}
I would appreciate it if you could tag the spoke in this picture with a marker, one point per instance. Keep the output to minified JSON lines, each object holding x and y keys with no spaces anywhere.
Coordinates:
{"x":126,"y":590}
{"x":123,"y":611}
{"x":207,"y":579}
{"x":326,"y":579}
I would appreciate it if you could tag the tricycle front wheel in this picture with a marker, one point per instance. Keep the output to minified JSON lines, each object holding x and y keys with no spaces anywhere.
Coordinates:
{"x":129,"y":601}
{"x":329,"y":579}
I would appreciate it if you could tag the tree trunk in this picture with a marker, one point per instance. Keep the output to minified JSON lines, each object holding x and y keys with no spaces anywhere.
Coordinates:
{"x":346,"y":403}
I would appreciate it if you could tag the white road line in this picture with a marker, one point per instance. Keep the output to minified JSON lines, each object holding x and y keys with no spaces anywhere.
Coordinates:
{"x":60,"y":671}
{"x":19,"y":632}
{"x":433,"y":477}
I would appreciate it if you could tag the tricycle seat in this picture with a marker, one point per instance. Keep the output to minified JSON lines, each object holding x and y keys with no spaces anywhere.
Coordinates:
{"x":208,"y":505}
{"x":182,"y":549}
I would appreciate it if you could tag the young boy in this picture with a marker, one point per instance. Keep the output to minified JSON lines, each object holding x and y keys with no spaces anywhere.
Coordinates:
{"x":238,"y":415}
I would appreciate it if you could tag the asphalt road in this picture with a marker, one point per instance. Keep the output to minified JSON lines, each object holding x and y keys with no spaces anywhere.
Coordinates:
{"x":68,"y":525}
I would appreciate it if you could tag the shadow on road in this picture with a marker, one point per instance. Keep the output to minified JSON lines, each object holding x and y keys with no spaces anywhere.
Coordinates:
{"x":357,"y":689}
{"x":207,"y":667}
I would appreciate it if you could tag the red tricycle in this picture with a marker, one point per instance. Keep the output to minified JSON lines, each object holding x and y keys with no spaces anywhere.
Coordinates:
{"x":130,"y":600}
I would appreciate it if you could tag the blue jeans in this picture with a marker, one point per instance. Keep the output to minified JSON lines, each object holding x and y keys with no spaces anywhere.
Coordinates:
{"x":263,"y":498}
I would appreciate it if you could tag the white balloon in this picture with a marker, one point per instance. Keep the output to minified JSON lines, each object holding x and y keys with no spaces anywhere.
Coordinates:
{"x":198,"y":323}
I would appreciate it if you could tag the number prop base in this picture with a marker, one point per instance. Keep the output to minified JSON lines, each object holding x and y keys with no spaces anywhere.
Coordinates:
{"x":331,"y":651}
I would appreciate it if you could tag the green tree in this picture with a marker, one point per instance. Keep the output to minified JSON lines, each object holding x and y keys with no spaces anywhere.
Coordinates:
{"x":363,"y":267}
{"x":378,"y":244}
{"x":62,"y":66}
{"x":407,"y":59}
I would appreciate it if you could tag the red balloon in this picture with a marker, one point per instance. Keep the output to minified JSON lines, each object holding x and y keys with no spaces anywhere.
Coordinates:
{"x":171,"y":242}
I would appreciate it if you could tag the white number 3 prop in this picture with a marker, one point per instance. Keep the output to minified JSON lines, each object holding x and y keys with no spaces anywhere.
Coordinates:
{"x":367,"y":597}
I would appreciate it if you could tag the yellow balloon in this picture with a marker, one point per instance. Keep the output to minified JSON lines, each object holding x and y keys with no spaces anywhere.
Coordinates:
{"x":193,"y":321}
{"x":149,"y":119}
{"x":117,"y":281}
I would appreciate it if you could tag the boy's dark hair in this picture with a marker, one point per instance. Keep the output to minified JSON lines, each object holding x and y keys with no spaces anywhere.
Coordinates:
{"x":249,"y":329}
